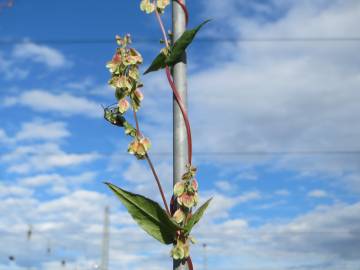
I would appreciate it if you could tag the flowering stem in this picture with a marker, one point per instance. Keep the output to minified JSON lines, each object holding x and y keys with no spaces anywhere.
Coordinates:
{"x":158,"y":183}
{"x":138,"y":133}
{"x":157,"y":179}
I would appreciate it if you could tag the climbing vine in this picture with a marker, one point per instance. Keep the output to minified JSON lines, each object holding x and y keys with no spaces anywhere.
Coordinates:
{"x":174,"y":224}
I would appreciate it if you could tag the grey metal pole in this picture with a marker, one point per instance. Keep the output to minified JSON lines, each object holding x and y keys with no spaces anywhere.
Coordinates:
{"x":180,"y":151}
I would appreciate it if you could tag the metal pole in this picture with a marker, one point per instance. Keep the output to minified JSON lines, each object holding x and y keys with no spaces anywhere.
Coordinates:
{"x":180,"y":151}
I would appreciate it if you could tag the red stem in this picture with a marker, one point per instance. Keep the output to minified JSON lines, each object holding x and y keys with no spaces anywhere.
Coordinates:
{"x":184,"y":9}
{"x":177,"y":96}
{"x":189,"y":262}
{"x":183,"y":111}
{"x":174,"y":89}
{"x":157,"y":179}
{"x":138,"y":133}
{"x":158,"y":183}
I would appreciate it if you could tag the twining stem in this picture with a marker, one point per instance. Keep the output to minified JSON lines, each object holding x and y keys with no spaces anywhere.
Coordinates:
{"x":184,"y":9}
{"x":174,"y":89}
{"x":177,"y":96}
{"x":158,"y":183}
{"x":183,"y":111}
{"x":157,"y":179}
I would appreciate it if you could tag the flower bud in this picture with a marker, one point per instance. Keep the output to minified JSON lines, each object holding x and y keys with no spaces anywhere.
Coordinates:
{"x":179,"y":188}
{"x":139,"y":94}
{"x":186,"y":200}
{"x":146,"y":143}
{"x":178,"y":252}
{"x":194,"y":185}
{"x":123,"y":105}
{"x":179,"y":216}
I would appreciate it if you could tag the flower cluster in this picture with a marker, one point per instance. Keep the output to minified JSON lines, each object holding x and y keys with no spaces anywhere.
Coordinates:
{"x":125,"y":75}
{"x":125,"y":79}
{"x":186,"y":193}
{"x":139,"y":147}
{"x":149,"y":6}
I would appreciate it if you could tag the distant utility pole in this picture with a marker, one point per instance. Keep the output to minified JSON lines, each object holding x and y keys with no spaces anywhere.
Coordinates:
{"x":105,"y":241}
{"x":180,"y":151}
{"x":205,"y":256}
{"x":29,"y":234}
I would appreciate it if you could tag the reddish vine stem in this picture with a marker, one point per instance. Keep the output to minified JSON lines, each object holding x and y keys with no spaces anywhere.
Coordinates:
{"x":177,"y":96}
{"x":138,"y":133}
{"x":157,"y":179}
{"x":174,"y":89}
{"x":158,"y":183}
{"x":183,"y":111}
{"x":186,"y":12}
{"x":189,"y":262}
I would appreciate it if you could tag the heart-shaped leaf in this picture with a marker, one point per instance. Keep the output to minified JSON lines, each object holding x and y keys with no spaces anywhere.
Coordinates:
{"x":197,"y":216}
{"x":182,"y":43}
{"x":148,"y":215}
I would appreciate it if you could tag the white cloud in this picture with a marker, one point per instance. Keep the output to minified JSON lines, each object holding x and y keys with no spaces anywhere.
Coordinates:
{"x":56,"y":183}
{"x":326,"y":235}
{"x":281,"y":96}
{"x":65,"y":104}
{"x":42,"y":54}
{"x":14,"y":191}
{"x":222,"y":204}
{"x":3,"y":136}
{"x":282,"y":192}
{"x":43,"y":157}
{"x":10,"y":70}
{"x":42,"y":130}
{"x":318,"y":193}
{"x":224,"y":185}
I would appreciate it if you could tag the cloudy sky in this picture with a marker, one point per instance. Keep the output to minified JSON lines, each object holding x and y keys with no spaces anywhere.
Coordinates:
{"x":274,"y":104}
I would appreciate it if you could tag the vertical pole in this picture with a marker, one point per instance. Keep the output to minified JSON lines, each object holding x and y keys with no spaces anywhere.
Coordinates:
{"x":105,"y":241}
{"x":205,"y":256}
{"x":180,"y":151}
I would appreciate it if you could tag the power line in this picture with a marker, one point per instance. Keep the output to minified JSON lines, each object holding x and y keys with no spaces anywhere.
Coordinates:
{"x":262,"y":153}
{"x":69,"y":41}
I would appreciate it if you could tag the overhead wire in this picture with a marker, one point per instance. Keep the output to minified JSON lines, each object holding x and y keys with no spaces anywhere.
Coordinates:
{"x":75,"y":41}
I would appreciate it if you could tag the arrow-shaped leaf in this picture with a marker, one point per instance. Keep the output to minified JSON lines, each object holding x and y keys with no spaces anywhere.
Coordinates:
{"x":158,"y":63}
{"x":182,"y":43}
{"x":197,"y":216}
{"x":148,"y":214}
{"x":176,"y":51}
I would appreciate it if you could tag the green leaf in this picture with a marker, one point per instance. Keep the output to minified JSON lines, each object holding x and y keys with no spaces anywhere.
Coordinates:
{"x":148,"y":214}
{"x":158,"y":63}
{"x":182,"y":43}
{"x":197,"y":216}
{"x":177,"y":50}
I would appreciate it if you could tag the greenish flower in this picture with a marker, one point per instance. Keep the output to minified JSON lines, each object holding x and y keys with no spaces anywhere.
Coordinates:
{"x":147,"y":6}
{"x":179,"y":216}
{"x":123,"y":105}
{"x":179,"y":188}
{"x":187,"y":199}
{"x":162,"y":4}
{"x":139,"y":147}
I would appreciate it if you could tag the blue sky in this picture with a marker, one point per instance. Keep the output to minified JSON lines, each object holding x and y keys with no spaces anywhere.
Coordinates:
{"x":275,"y":126}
